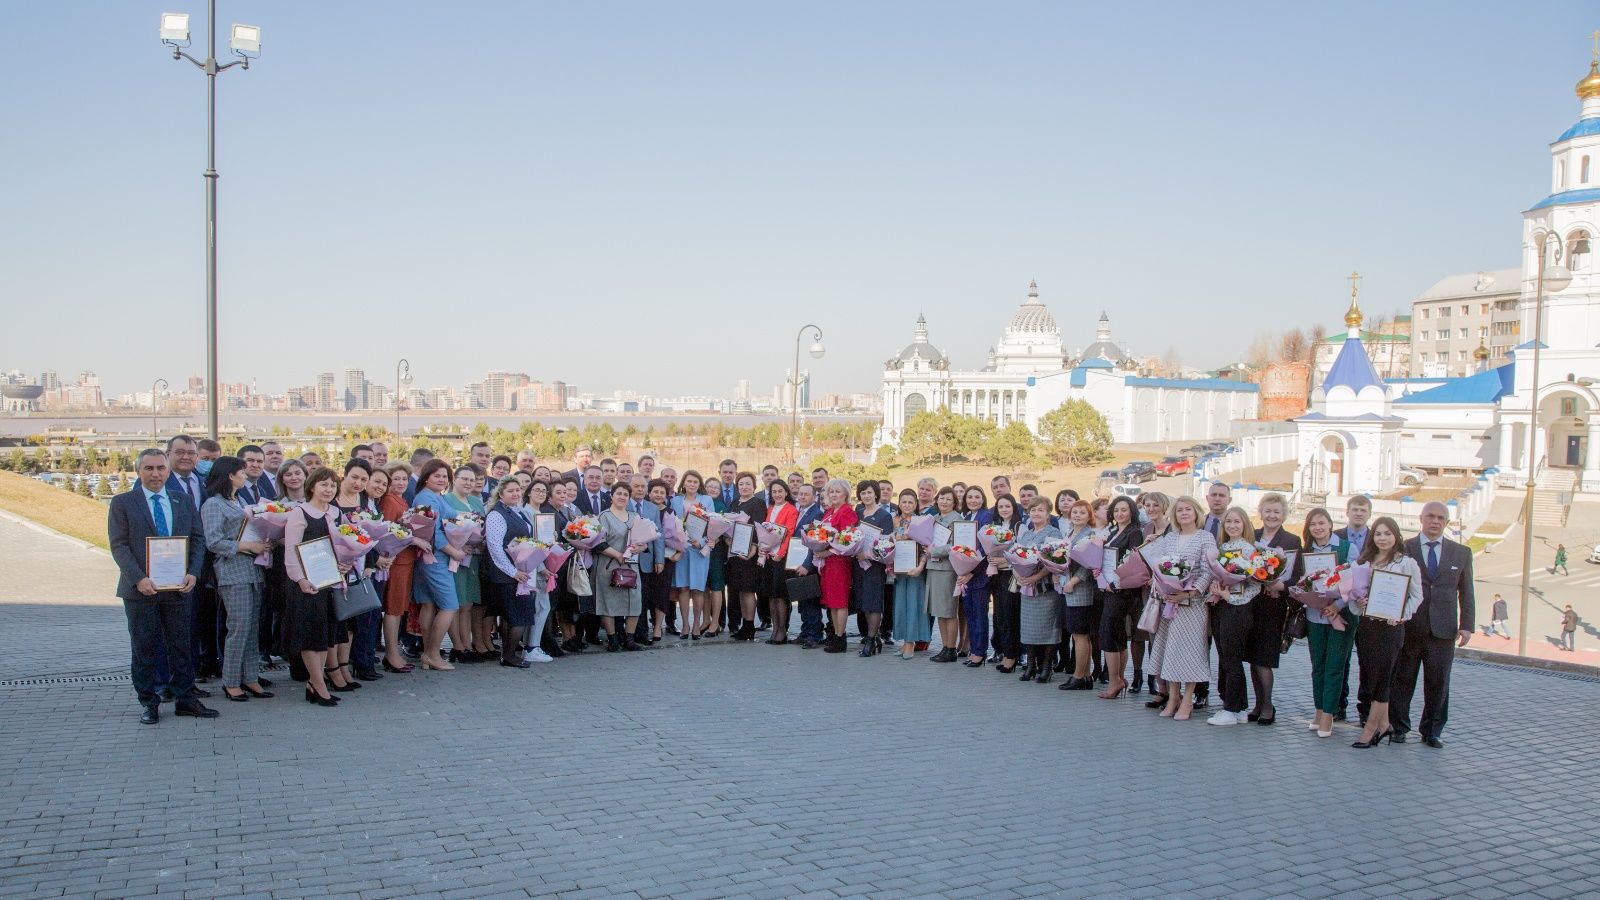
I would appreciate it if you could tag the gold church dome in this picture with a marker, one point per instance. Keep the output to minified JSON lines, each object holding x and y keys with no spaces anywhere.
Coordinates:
{"x":1590,"y":85}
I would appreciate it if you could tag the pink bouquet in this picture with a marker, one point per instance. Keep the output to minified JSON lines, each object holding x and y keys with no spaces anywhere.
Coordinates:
{"x":1355,"y":582}
{"x":529,"y":556}
{"x":920,"y":529}
{"x":769,"y":537}
{"x":557,"y":558}
{"x":1024,"y":562}
{"x":583,"y":535}
{"x":1230,"y":568}
{"x":1056,"y":557}
{"x":672,"y":534}
{"x":269,"y":517}
{"x":422,"y":521}
{"x":1320,"y":590}
{"x":995,"y":538}
{"x":1089,"y":554}
{"x":965,"y":561}
{"x":466,"y":528}
{"x":1268,"y":564}
{"x":878,"y":551}
{"x":395,"y":537}
{"x":642,"y":532}
{"x":847,"y":543}
{"x":717,"y":525}
{"x":351,"y":545}
{"x":1171,"y":575}
{"x":1134,"y":572}
{"x":818,"y":536}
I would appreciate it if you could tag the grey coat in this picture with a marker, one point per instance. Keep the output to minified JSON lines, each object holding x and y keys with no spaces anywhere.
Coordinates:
{"x":221,"y":521}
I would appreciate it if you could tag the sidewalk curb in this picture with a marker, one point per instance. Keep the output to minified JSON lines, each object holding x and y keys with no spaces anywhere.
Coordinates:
{"x":45,"y":529}
{"x":1528,"y":662}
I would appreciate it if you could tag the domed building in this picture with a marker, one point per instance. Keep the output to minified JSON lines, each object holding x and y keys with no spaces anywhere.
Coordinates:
{"x":1027,"y":374}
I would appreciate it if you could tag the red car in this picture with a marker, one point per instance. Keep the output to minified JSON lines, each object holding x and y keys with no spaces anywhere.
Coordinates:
{"x":1175,"y":465}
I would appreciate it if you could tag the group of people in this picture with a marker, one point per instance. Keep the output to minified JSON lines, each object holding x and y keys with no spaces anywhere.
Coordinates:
{"x":244,"y":603}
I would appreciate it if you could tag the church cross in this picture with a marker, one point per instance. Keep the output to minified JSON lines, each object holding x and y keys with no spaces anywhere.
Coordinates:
{"x":1596,"y":37}
{"x":1354,"y":278}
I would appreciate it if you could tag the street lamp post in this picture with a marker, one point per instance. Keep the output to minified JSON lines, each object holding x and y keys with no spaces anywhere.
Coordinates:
{"x":156,"y":387}
{"x":794,"y":388}
{"x":1555,"y":277}
{"x":402,"y":382}
{"x":246,"y":44}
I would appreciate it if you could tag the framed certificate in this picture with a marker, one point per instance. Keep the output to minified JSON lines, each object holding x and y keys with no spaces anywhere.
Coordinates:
{"x":742,"y":541}
{"x":905,"y":556}
{"x":694,"y":527}
{"x":319,"y":562}
{"x":1386,"y":598}
{"x":544,"y":528}
{"x":797,"y":555}
{"x":1320,"y":562}
{"x":965,"y":534}
{"x":166,"y":562}
{"x":249,"y":531}
{"x":1108,"y":565}
{"x":942,"y":536}
{"x":869,"y":533}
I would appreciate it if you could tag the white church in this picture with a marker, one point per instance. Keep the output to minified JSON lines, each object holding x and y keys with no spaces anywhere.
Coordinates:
{"x":1360,"y":429}
{"x":1028,"y":374}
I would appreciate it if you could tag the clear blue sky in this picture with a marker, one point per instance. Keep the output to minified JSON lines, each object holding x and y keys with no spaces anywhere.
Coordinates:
{"x":519,"y":185}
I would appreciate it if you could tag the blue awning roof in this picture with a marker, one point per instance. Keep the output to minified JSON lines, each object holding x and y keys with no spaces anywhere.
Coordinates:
{"x":1581,"y":195}
{"x":1482,"y":388}
{"x":1193,"y":384}
{"x":1584,"y":128}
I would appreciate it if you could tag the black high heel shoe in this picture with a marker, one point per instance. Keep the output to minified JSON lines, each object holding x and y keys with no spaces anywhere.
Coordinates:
{"x":265,"y":695}
{"x":315,"y":698}
{"x":1376,"y":739}
{"x":1006,"y":670}
{"x":1137,"y":684}
{"x":341,"y":688}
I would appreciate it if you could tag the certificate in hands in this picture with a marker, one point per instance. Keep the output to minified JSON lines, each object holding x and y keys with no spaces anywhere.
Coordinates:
{"x":1320,"y":562}
{"x":797,"y":555}
{"x":742,"y":539}
{"x":966,"y":535}
{"x":868,"y":533}
{"x":905,"y":556}
{"x":942,"y":536}
{"x":544,"y":528}
{"x":166,"y":562}
{"x":1386,"y":598}
{"x":694,"y":527}
{"x":1108,"y":567}
{"x":319,"y":562}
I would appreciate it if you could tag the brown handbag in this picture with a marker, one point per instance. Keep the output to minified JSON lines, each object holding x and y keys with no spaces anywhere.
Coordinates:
{"x":624,"y":577}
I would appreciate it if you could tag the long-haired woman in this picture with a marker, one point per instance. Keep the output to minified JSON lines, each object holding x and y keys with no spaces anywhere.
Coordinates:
{"x":1122,"y":537}
{"x":1179,"y":653}
{"x":689,"y":575}
{"x":1230,"y":619}
{"x":1378,"y":642}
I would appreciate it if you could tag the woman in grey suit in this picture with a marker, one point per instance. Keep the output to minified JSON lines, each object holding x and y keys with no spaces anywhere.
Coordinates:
{"x":239,"y":579}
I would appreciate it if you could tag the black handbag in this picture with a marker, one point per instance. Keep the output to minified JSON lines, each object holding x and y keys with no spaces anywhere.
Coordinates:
{"x":1294,"y":627}
{"x":804,"y":587}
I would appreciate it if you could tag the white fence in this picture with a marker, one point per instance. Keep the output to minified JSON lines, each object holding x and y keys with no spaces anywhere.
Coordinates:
{"x":1254,"y":450}
{"x":1467,"y":509}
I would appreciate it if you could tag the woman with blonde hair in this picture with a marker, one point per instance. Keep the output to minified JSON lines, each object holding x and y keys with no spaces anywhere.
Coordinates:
{"x":1230,"y":618}
{"x":1154,"y":506}
{"x":1271,"y":607}
{"x":1179,"y":653}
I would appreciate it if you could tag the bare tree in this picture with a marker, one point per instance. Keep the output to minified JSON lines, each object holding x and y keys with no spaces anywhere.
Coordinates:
{"x":1261,"y":348}
{"x":1318,"y":334}
{"x":1292,"y":346}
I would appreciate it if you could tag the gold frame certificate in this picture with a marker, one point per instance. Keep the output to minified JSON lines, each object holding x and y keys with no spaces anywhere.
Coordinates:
{"x":166,"y":562}
{"x":905,"y":556}
{"x":1387,"y":595}
{"x":741,"y":541}
{"x":964,"y":534}
{"x":544,"y":528}
{"x":1319,"y":562}
{"x":319,"y":562}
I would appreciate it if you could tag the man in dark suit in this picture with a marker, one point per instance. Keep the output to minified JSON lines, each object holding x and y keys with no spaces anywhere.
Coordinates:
{"x":581,"y":458}
{"x":727,"y":471}
{"x":418,"y":457}
{"x":257,"y":487}
{"x":805,"y":500}
{"x":1435,"y":631}
{"x":272,"y":461}
{"x":157,"y":619}
{"x":186,"y":479}
{"x":593,"y":498}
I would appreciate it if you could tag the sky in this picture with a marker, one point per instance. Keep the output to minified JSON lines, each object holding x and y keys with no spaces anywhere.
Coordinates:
{"x":658,"y":196}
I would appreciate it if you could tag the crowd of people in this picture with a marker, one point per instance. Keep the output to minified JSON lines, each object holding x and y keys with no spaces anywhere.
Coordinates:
{"x":247,"y":605}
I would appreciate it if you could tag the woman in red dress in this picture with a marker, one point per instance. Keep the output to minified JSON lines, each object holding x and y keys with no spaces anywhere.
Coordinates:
{"x":836,"y":570}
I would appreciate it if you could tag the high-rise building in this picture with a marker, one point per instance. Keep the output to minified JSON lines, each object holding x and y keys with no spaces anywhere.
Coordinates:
{"x":327,"y":393}
{"x":493,"y":391}
{"x":49,"y":380}
{"x":355,"y":389}
{"x":741,"y":389}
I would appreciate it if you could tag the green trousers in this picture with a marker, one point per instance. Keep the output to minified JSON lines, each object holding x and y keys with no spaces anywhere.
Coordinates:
{"x":1330,"y":661}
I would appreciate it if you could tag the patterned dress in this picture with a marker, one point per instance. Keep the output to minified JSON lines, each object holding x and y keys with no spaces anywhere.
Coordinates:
{"x":1041,"y":613}
{"x":1178,"y":649}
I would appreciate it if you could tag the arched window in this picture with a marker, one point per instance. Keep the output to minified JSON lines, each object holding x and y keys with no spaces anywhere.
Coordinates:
{"x":1578,"y":250}
{"x":1561,"y":175}
{"x":1584,"y":171}
{"x":915,"y":403}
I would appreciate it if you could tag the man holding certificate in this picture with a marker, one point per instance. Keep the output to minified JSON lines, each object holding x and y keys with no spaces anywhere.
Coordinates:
{"x":157,"y":543}
{"x":1444,"y":622}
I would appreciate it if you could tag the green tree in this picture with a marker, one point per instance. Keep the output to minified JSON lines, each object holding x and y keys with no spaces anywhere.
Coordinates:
{"x":91,"y":459}
{"x":1012,"y":447}
{"x":84,"y":490}
{"x":1076,"y":434}
{"x":41,"y":459}
{"x":103,"y":490}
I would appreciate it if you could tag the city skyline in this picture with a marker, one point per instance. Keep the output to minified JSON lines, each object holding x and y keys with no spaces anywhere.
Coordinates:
{"x":737,"y":173}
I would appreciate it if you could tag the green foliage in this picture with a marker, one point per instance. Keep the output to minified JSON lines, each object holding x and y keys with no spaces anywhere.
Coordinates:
{"x":103,"y":490}
{"x":940,"y":436}
{"x":83,"y":488}
{"x":41,"y":460}
{"x":1076,"y":434}
{"x":852,"y":472}
{"x":1012,"y":447}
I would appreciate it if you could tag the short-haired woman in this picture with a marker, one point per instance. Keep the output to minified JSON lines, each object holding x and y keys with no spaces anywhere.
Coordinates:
{"x":1230,"y":619}
{"x":1041,"y":605}
{"x":869,"y":580}
{"x":434,"y":586}
{"x":836,"y":570}
{"x":1077,"y":595}
{"x":397,"y":602}
{"x":1271,"y":607}
{"x":310,"y":628}
{"x":943,"y":604}
{"x":910,"y":587}
{"x":618,"y":605}
{"x":238,"y":578}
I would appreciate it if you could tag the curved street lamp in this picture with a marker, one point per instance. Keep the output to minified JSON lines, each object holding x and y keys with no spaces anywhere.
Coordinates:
{"x":156,"y":388}
{"x":1554,"y":277}
{"x":402,"y":383}
{"x":794,"y":387}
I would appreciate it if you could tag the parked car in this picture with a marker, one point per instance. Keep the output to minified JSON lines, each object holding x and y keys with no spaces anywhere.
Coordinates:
{"x":1127,"y":490}
{"x":1174,"y":465}
{"x":1107,"y":480}
{"x":1411,"y":476}
{"x":1139,"y":470}
{"x":1218,"y":446}
{"x":1195,"y":450}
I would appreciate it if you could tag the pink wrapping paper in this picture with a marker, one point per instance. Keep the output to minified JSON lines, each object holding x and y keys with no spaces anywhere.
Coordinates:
{"x":459,"y":535}
{"x":920,"y":529}
{"x":530,"y":558}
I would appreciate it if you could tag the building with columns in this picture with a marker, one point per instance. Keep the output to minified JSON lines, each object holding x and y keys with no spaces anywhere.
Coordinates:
{"x":1028,"y":374}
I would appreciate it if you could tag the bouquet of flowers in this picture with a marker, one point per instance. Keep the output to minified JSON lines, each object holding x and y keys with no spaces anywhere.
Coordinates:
{"x":995,"y":538}
{"x":529,"y":556}
{"x":1056,"y":557}
{"x":559,"y":553}
{"x":1024,"y":562}
{"x":466,"y":528}
{"x":1320,"y":590}
{"x":363,"y":519}
{"x":583,"y":535}
{"x":1171,"y":575}
{"x":672,"y":535}
{"x":920,"y":529}
{"x":769,"y":537}
{"x":422,"y":521}
{"x":1089,"y":554}
{"x":1232,"y":566}
{"x":395,"y":537}
{"x":718,"y":525}
{"x":847,"y":543}
{"x":964,"y":560}
{"x":878,"y":551}
{"x":269,"y":517}
{"x":818,"y":536}
{"x":1354,"y":583}
{"x":641,"y":533}
{"x":351,"y":544}
{"x":1267,"y":564}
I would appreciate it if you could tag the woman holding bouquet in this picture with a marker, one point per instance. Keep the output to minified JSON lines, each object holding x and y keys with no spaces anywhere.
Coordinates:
{"x":276,"y":590}
{"x":910,"y":588}
{"x":310,"y":628}
{"x":1270,"y":608}
{"x":506,"y":521}
{"x":744,"y":572}
{"x":1122,"y":536}
{"x":222,"y":517}
{"x":975,"y":585}
{"x":836,"y":570}
{"x":434,"y":586}
{"x":1179,"y":654}
{"x":689,"y":575}
{"x":943,"y":603}
{"x":397,"y":588}
{"x":1041,"y":605}
{"x":362,"y":631}
{"x":1330,"y":647}
{"x":869,"y":581}
{"x":1007,"y":639}
{"x":656,"y":597}
{"x":464,"y":497}
{"x":780,"y":512}
{"x":1077,"y":597}
{"x":1155,"y":506}
{"x":618,"y":605}
{"x":717,"y":568}
{"x":1230,"y":617}
{"x":1378,"y":642}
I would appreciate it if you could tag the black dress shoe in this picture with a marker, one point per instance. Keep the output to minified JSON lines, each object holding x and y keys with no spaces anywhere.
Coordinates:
{"x":368,"y":674}
{"x":167,"y":696}
{"x":519,"y":664}
{"x":1339,"y":716}
{"x":265,"y":695}
{"x":1399,"y":737}
{"x":240,"y":697}
{"x":150,"y":716}
{"x":197,"y":709}
{"x":202,"y":693}
{"x":1434,"y":742}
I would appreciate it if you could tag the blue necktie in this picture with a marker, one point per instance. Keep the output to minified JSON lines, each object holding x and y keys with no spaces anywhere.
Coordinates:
{"x":160,"y":515}
{"x":1433,"y":558}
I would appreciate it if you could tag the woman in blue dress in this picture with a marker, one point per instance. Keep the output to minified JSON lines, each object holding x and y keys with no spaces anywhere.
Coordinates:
{"x":716,"y":570}
{"x":911,"y":625}
{"x":433,"y":586}
{"x":689,"y":575}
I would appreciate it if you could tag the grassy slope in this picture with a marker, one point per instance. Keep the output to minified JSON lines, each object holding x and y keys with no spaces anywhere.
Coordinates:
{"x":53,"y":507}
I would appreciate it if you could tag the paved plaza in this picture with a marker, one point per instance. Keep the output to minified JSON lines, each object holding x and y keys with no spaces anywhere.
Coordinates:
{"x":715,"y":769}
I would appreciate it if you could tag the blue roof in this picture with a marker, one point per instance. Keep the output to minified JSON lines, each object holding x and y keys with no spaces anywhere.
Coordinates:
{"x":1193,"y":384}
{"x":1484,"y":387}
{"x":1096,"y":363}
{"x":1584,"y":128}
{"x":1581,"y":195}
{"x":1078,"y":378}
{"x":1528,"y":345}
{"x":1352,"y":369}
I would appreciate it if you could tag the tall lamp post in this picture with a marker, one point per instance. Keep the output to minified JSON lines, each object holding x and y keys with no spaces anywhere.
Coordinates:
{"x":1554,"y":277}
{"x":402,"y":384}
{"x":246,"y":44}
{"x":156,"y":389}
{"x":794,"y":388}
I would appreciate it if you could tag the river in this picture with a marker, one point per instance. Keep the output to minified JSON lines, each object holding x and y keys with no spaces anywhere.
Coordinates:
{"x":256,"y":422}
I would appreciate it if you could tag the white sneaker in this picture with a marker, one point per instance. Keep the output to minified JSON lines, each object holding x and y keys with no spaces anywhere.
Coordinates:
{"x":1223,"y":718}
{"x":537,"y":655}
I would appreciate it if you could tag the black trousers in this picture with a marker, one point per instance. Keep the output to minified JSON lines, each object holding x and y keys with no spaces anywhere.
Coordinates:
{"x":1007,"y":637}
{"x":155,"y":623}
{"x":204,"y":630}
{"x":1433,"y":656}
{"x":1230,"y":626}
{"x":1377,"y":652}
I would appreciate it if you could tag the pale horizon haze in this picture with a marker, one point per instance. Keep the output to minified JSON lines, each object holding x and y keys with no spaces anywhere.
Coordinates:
{"x":657,"y":196}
